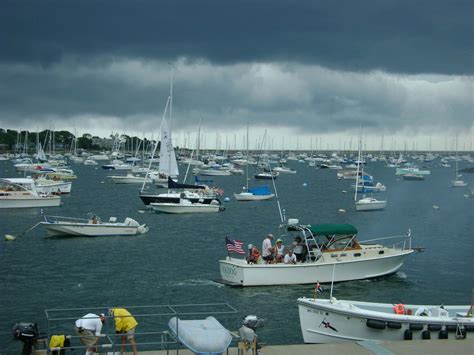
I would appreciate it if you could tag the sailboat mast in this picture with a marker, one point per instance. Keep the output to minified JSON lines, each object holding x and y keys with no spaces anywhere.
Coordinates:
{"x":358,"y":169}
{"x":248,"y":160}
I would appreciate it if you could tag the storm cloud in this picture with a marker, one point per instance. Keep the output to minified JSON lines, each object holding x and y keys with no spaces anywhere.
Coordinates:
{"x":315,"y":67}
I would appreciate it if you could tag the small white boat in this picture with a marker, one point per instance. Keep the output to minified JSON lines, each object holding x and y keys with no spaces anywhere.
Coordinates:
{"x":458,"y":183}
{"x":201,"y":336}
{"x":214,"y":172}
{"x":266,"y":175}
{"x":335,"y":321}
{"x":55,"y":187}
{"x":186,"y":206}
{"x":370,"y":204}
{"x":411,"y":170}
{"x":92,"y":227}
{"x":284,"y":170}
{"x":258,"y":193}
{"x":90,"y":161}
{"x":131,"y":179}
{"x":22,"y":193}
{"x":414,"y":177}
{"x":326,"y":247}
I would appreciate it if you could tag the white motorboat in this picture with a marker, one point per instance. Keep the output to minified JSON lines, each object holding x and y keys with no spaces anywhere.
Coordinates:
{"x":92,"y":227}
{"x":201,"y":336}
{"x":327,"y":247}
{"x":370,"y":204}
{"x":132,"y":178}
{"x":22,"y":193}
{"x":267,"y":175}
{"x":458,"y":183}
{"x":45,"y":185}
{"x":332,"y":320}
{"x":90,"y":161}
{"x":186,"y":206}
{"x":214,"y":172}
{"x":411,"y":170}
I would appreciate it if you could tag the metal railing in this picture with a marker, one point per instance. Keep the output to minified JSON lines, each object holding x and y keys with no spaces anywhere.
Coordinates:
{"x":62,"y":322}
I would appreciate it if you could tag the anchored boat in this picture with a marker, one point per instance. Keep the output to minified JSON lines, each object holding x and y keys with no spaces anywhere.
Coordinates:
{"x":92,"y":227}
{"x":326,"y":247}
{"x":332,"y":320}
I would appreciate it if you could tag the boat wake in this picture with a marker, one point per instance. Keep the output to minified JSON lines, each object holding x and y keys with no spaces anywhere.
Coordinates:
{"x":195,"y":282}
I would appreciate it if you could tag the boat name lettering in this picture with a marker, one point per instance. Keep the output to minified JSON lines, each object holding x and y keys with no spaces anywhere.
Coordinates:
{"x":229,"y":271}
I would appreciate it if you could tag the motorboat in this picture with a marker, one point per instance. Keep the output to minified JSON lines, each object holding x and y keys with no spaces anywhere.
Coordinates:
{"x":201,"y":336}
{"x":47,"y":185}
{"x":369,"y":187}
{"x":92,"y":226}
{"x":411,"y":170}
{"x":458,"y":183}
{"x":132,"y":178}
{"x":90,"y":161}
{"x":327,"y":247}
{"x":335,"y":321}
{"x":370,"y":204}
{"x":186,"y":206}
{"x":22,"y":193}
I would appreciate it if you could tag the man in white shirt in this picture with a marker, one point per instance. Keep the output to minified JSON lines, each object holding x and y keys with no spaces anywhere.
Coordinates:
{"x":290,"y":258}
{"x":88,"y":328}
{"x":267,"y":249}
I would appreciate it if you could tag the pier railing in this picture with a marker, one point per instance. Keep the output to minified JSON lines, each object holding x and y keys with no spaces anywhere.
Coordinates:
{"x":152,"y":332}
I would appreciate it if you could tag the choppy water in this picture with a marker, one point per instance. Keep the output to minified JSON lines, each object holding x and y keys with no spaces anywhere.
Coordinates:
{"x":177,"y":261}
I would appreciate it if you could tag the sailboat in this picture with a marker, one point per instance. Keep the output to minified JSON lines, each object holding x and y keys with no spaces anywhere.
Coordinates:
{"x":457,"y":182}
{"x":365,"y":203}
{"x":258,"y":193}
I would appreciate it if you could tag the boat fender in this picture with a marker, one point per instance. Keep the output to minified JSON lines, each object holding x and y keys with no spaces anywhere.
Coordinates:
{"x":434,"y":327}
{"x":443,"y":334}
{"x":408,"y":335}
{"x":394,"y":325}
{"x":425,"y":334}
{"x":376,"y":324}
{"x":416,"y":326}
{"x":451,"y":327}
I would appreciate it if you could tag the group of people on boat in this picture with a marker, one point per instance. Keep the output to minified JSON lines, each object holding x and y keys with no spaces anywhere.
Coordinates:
{"x":278,"y":253}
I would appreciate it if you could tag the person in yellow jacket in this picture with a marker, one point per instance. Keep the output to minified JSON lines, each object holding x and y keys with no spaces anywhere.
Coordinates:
{"x":125,"y":324}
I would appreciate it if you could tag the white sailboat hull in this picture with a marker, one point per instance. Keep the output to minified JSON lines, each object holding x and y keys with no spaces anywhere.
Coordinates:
{"x":237,"y":271}
{"x":323,"y":321}
{"x":248,"y":196}
{"x":177,"y":208}
{"x":370,"y":205}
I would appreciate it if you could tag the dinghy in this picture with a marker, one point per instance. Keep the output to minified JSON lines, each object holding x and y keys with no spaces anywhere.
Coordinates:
{"x":201,"y":336}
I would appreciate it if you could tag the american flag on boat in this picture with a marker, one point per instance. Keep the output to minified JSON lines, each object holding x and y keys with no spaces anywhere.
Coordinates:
{"x":234,"y":246}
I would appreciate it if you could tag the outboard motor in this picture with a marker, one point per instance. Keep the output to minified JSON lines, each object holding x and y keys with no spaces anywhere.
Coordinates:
{"x":247,"y":330}
{"x":27,"y":333}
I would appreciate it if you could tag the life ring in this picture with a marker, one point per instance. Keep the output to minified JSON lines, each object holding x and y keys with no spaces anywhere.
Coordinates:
{"x":399,"y":308}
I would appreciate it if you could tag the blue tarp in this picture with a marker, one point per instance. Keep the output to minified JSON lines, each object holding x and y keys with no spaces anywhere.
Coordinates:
{"x":260,"y":190}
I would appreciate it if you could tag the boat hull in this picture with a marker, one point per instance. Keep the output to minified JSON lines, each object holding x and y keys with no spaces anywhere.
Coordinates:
{"x":30,"y":202}
{"x":237,"y":271}
{"x":251,"y":197}
{"x":176,"y":208}
{"x":90,"y":230}
{"x":342,"y":321}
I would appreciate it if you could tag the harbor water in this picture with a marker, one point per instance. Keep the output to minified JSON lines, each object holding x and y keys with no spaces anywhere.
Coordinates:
{"x":176,"y":262}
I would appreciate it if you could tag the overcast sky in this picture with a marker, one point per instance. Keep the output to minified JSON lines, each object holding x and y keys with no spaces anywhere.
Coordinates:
{"x":303,"y":70}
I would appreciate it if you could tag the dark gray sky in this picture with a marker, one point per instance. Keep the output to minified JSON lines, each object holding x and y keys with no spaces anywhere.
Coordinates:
{"x":314,"y":68}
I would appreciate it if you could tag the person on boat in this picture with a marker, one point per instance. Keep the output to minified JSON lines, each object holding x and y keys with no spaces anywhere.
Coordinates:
{"x":125,"y":324}
{"x":267,"y":249}
{"x":298,"y":248}
{"x":279,"y":251}
{"x":254,"y":255}
{"x":88,"y":328}
{"x":290,"y":258}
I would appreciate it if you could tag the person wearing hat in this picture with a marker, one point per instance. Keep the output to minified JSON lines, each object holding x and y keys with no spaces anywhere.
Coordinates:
{"x":125,"y":324}
{"x":88,"y":328}
{"x":267,"y":249}
{"x":279,"y":251}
